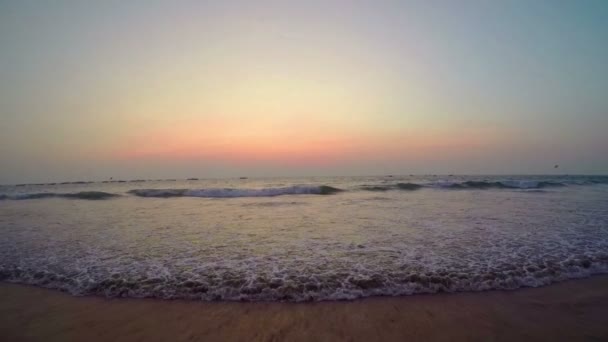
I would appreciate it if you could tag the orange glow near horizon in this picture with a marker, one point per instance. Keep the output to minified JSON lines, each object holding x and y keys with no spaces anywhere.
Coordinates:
{"x":304,"y":144}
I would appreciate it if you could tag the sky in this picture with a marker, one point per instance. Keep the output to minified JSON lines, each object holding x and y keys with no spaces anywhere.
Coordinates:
{"x":165,"y":89}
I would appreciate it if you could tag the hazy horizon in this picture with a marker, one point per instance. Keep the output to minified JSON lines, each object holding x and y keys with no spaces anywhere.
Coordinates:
{"x":397,"y":176}
{"x":154,"y":90}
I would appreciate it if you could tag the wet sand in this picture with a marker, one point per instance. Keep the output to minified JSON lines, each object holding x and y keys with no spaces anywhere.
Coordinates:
{"x":569,"y":311}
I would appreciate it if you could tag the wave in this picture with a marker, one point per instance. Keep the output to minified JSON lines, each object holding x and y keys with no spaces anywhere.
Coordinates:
{"x":398,"y":186}
{"x":506,"y":184}
{"x":408,"y":186}
{"x":34,"y":184}
{"x":230,"y":193}
{"x":472,"y":185}
{"x":167,"y":193}
{"x":89,"y":195}
{"x":376,"y":187}
{"x":86,"y":195}
{"x":528,"y":185}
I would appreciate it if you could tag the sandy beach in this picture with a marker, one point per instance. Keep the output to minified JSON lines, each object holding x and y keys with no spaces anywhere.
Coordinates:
{"x":568,"y":311}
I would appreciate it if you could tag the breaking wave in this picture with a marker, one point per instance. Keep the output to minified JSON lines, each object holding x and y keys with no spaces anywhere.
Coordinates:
{"x":86,"y":195}
{"x":507,"y":184}
{"x":292,"y":285}
{"x":230,"y":193}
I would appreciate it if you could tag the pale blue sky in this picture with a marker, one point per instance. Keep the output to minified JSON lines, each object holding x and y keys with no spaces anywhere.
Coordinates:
{"x":138,"y":89}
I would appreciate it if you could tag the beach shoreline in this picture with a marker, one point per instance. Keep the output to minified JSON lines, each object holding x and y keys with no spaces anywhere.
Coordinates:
{"x":570,"y":310}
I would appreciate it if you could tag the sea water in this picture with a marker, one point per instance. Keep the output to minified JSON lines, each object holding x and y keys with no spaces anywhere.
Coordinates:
{"x":303,"y":239}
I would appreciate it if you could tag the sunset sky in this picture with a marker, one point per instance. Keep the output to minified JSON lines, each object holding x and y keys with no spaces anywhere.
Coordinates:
{"x":166,"y":89}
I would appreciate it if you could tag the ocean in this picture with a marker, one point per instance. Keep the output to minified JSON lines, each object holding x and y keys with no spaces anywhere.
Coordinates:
{"x":303,"y":239}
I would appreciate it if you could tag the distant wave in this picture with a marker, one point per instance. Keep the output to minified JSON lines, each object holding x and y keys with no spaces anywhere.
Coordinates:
{"x":507,"y":184}
{"x":229,"y":193}
{"x":477,"y":185}
{"x":376,"y":187}
{"x":398,"y":186}
{"x":529,"y":185}
{"x":86,"y":195}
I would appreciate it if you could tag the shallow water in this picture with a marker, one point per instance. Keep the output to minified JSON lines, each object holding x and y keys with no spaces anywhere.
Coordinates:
{"x":300,"y":239}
